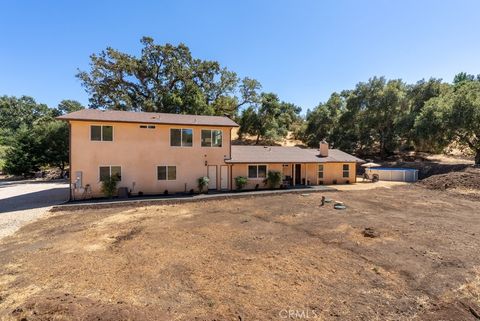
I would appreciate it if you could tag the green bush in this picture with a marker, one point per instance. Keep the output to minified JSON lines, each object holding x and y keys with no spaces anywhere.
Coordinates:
{"x":109,"y":186}
{"x":22,"y":157}
{"x":240,"y":182}
{"x":3,"y":150}
{"x":44,"y":144}
{"x":273,"y":179}
{"x":202,"y":183}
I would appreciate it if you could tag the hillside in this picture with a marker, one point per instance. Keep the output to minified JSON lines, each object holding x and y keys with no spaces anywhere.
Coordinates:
{"x":250,"y":140}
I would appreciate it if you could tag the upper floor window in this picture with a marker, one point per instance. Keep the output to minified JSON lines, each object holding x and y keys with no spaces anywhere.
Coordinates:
{"x":148,"y":126}
{"x":346,"y":170}
{"x":101,"y":133}
{"x":211,"y":138}
{"x":181,"y":137}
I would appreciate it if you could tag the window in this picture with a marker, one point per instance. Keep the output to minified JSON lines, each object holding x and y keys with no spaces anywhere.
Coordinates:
{"x":101,"y":133}
{"x":147,"y":126}
{"x":257,"y":171}
{"x":211,"y":138}
{"x":166,"y":173}
{"x":320,"y":171}
{"x":346,"y":170}
{"x":108,"y":171}
{"x":181,"y":137}
{"x":95,"y":132}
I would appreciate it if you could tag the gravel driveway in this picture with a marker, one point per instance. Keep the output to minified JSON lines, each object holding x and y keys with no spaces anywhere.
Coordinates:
{"x":25,"y":201}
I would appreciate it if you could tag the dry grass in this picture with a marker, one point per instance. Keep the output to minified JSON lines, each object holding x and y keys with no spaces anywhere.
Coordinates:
{"x":250,"y":259}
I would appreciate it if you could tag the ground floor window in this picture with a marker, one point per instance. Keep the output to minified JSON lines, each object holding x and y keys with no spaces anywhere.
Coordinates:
{"x":166,"y":173}
{"x":346,"y":171}
{"x":257,"y":171}
{"x":108,"y":171}
{"x":320,"y":171}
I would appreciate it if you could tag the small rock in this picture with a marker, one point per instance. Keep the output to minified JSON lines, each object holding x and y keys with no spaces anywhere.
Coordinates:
{"x":370,"y":232}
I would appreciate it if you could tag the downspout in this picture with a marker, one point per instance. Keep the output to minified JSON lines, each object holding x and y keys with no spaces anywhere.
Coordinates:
{"x":70,"y":159}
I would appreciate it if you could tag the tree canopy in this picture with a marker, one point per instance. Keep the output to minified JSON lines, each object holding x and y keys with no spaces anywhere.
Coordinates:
{"x":32,"y":135}
{"x":384,"y":116}
{"x":270,"y":120}
{"x":453,"y":116}
{"x":165,"y":78}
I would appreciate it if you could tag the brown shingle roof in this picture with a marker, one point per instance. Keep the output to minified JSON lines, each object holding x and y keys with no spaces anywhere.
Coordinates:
{"x":149,"y":118}
{"x":281,"y":154}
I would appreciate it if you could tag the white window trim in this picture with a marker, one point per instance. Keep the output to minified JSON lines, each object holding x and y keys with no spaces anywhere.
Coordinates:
{"x":257,"y":178}
{"x":166,"y":172}
{"x":101,"y":134}
{"x":181,"y":137}
{"x":110,"y":171}
{"x":211,"y":137}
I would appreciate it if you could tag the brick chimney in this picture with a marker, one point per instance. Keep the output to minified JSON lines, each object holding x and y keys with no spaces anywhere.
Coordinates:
{"x":323,"y":149}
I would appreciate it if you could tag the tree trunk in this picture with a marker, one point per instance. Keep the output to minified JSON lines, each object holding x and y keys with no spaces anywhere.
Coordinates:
{"x":258,"y":139}
{"x":477,"y":157}
{"x":62,"y":169}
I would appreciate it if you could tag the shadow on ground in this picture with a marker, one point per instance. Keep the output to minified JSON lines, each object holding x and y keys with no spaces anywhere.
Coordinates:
{"x":33,"y":200}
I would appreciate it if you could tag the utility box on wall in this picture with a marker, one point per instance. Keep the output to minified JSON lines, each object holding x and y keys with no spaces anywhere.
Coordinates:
{"x":78,"y":180}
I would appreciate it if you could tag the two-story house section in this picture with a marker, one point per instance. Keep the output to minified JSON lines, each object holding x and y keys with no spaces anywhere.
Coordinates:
{"x":150,"y":152}
{"x":156,"y":152}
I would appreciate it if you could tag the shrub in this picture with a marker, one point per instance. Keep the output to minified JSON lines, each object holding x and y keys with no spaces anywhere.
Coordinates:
{"x":240,"y":182}
{"x":273,"y":179}
{"x":109,"y":186}
{"x":203,"y":182}
{"x":22,"y":157}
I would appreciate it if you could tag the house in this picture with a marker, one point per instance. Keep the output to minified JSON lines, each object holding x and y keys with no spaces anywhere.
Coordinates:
{"x":156,"y":152}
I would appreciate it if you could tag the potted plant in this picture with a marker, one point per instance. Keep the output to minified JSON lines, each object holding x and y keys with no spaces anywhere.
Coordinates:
{"x":202,"y":183}
{"x":240,"y":182}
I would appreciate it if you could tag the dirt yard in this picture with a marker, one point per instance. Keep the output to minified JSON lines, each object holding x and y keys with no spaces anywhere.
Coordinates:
{"x":261,"y":258}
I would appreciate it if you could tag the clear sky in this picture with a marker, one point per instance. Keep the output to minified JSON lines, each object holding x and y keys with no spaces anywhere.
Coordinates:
{"x":301,"y":50}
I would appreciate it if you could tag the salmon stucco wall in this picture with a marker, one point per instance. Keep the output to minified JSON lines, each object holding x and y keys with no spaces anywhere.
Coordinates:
{"x":242,"y":170}
{"x":331,"y":172}
{"x":139,"y":151}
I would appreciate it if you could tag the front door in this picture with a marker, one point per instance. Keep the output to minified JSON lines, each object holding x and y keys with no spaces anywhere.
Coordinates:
{"x":224,"y":177}
{"x":212,"y":175}
{"x":298,"y":174}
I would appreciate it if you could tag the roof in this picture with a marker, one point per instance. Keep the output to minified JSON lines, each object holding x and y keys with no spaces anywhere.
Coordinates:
{"x":149,"y":118}
{"x":281,"y":154}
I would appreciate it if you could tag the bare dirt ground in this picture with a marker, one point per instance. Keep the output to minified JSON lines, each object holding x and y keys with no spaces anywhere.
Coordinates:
{"x":258,"y":258}
{"x":465,"y":183}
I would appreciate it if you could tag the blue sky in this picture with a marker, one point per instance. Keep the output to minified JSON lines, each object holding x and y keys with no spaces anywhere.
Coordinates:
{"x":301,"y":50}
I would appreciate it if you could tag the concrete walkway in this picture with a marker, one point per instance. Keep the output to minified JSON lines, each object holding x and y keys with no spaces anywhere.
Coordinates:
{"x":175,"y":199}
{"x":24,"y":201}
